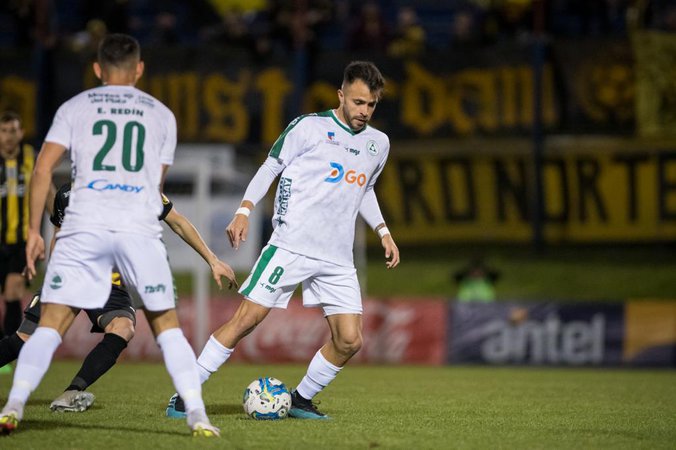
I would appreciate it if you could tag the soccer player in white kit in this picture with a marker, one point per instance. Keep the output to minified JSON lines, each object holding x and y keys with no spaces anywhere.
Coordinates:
{"x":329,"y":163}
{"x":121,"y":143}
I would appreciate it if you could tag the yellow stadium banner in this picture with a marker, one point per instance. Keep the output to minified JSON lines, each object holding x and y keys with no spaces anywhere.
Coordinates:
{"x":594,"y":190}
{"x":649,"y":331}
{"x":655,"y":55}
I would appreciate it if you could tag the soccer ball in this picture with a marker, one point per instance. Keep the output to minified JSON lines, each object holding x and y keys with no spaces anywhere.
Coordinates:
{"x":267,"y":399}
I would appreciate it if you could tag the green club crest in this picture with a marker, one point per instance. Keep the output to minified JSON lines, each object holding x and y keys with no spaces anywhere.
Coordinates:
{"x":56,"y":282}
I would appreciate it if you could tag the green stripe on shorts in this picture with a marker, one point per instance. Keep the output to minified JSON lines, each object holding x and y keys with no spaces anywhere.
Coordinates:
{"x":260,"y":267}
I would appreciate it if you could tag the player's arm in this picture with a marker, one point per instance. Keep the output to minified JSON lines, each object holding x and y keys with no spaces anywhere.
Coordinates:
{"x":187,"y":231}
{"x":370,"y":212}
{"x":238,"y":228}
{"x":26,"y":273}
{"x":52,"y":243}
{"x":47,"y":160}
{"x":51,"y":195}
{"x":168,"y":148}
{"x":165,"y":169}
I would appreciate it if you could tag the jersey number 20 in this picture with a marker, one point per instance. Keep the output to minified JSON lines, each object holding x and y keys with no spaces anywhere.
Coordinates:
{"x":127,"y":144}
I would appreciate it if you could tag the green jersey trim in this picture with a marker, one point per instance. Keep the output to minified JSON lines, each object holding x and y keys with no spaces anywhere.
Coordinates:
{"x":260,"y":267}
{"x":343,"y":126}
{"x":276,"y":149}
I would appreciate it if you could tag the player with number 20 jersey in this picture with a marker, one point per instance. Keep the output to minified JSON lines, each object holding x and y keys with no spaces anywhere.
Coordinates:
{"x":116,"y":157}
{"x":122,"y":138}
{"x":121,"y":142}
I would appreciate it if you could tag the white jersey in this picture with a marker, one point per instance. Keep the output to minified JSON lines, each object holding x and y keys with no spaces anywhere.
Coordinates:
{"x":119,"y":137}
{"x":328,"y":168}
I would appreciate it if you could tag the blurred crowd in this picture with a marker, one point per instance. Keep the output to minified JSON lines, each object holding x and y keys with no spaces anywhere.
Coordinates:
{"x":399,"y":27}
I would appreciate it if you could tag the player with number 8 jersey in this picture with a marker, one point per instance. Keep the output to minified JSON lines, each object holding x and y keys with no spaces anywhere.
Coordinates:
{"x":327,"y":164}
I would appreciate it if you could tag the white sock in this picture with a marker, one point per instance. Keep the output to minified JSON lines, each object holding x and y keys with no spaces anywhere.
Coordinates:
{"x":319,"y":374}
{"x":33,"y":362}
{"x":182,"y":367}
{"x":213,"y":356}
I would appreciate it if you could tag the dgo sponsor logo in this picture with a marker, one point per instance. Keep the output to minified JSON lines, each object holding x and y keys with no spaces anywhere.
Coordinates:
{"x":338,"y":173}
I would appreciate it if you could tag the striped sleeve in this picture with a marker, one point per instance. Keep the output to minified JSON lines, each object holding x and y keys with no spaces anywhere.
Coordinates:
{"x":290,"y":143}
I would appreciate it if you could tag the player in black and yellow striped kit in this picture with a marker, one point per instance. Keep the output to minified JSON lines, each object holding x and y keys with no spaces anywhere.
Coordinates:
{"x":16,"y":166}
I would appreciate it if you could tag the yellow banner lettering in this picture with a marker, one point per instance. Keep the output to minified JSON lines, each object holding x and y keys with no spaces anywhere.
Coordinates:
{"x":274,"y":87}
{"x":182,"y":90}
{"x":422,"y":96}
{"x":228,"y":119}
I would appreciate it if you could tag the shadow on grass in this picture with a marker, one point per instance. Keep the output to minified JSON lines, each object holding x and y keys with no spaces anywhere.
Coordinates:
{"x":224,"y":410}
{"x":40,"y":401}
{"x":46,"y":425}
{"x":46,"y":402}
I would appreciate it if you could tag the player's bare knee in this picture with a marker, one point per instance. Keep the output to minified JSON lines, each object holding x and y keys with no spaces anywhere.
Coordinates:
{"x":121,"y":326}
{"x":244,"y":321}
{"x":15,"y":286}
{"x":242,"y":325}
{"x":239,"y":326}
{"x":348,"y":345}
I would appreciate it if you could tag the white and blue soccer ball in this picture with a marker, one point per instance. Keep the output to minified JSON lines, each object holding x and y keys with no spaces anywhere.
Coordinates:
{"x":267,"y":399}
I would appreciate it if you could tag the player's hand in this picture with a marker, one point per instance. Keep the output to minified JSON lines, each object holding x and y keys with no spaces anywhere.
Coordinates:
{"x":391,"y":251}
{"x":220,"y":269}
{"x":238,"y":230}
{"x":35,"y":249}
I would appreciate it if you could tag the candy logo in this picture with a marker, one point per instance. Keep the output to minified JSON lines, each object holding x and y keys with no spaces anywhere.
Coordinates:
{"x":104,"y":185}
{"x":351,"y":176}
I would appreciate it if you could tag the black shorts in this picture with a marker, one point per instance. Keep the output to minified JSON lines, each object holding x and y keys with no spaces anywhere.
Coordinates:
{"x":12,"y":260}
{"x":118,"y":305}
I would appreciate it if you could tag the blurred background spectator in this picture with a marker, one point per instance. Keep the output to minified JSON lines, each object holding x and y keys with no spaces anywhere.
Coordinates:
{"x":588,"y":17}
{"x":368,"y":31}
{"x":298,"y":23}
{"x":465,"y":28}
{"x":234,"y":24}
{"x":409,"y":36}
{"x":402,"y":27}
{"x":476,"y":282}
{"x":87,"y":40}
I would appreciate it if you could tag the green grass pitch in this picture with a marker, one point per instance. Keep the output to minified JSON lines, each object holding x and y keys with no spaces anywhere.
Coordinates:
{"x":371,"y":407}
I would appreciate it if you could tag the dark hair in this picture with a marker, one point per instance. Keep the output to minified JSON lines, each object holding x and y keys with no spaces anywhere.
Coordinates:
{"x":10,"y":116}
{"x":118,"y":50}
{"x":367,"y":72}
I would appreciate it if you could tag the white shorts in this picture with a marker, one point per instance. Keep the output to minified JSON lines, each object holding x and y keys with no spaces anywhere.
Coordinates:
{"x":80,"y":267}
{"x":278,"y":272}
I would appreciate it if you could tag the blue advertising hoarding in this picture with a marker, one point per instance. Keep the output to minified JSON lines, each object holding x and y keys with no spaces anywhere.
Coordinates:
{"x":547,"y":333}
